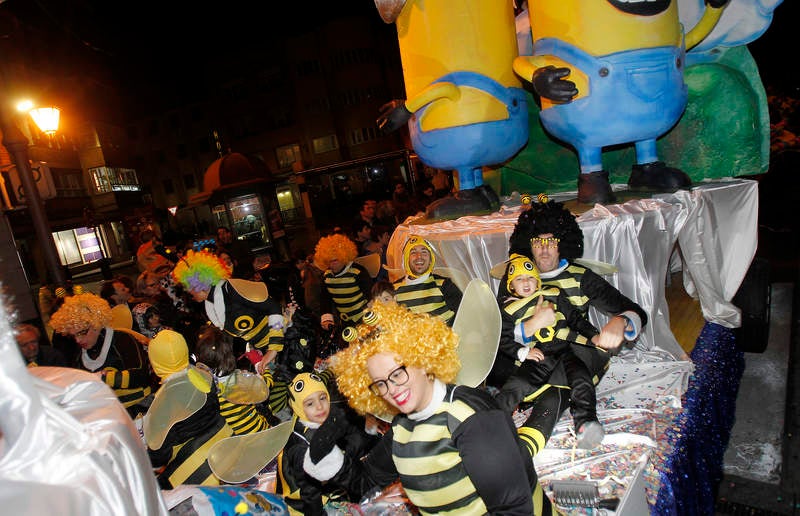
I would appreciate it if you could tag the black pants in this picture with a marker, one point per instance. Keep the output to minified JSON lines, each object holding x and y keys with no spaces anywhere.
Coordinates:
{"x":533,"y":375}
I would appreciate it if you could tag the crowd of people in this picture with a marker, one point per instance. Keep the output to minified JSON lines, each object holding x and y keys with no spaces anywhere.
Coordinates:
{"x":333,"y":343}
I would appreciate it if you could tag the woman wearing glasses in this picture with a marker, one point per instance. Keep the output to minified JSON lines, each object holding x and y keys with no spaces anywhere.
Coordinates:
{"x":449,"y":445}
{"x":112,"y":355}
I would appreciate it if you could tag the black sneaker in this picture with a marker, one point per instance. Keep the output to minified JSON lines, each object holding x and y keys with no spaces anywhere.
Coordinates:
{"x":658,"y":177}
{"x":594,"y":188}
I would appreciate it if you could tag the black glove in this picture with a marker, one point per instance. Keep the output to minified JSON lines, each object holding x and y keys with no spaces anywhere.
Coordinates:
{"x":326,"y":436}
{"x":716,"y":3}
{"x":549,"y":83}
{"x":394,"y":115}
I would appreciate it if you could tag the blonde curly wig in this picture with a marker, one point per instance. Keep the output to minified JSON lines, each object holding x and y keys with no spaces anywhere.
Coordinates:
{"x":337,"y":247}
{"x":80,"y":312}
{"x":417,"y":340}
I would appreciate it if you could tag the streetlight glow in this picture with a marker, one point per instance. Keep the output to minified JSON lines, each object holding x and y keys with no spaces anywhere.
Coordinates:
{"x":46,"y":119}
{"x":23,"y":106}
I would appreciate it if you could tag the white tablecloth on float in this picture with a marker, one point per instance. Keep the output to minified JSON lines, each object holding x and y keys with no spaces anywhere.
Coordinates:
{"x":714,"y":224}
{"x":710,"y":231}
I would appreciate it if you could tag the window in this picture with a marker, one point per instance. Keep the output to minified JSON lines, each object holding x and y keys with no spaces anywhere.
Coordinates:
{"x":152,"y":129}
{"x":189,"y":181}
{"x":312,"y":66}
{"x":69,"y":183}
{"x":325,"y":144}
{"x":288,"y":154}
{"x":108,"y":179}
{"x":203,"y":145}
{"x":363,"y":134}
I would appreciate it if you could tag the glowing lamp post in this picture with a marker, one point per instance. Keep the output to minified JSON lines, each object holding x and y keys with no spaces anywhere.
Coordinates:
{"x":17,"y":145}
{"x":46,"y":119}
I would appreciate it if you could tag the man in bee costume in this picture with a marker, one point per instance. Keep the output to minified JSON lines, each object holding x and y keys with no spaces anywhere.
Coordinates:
{"x":549,"y":234}
{"x":242,"y":308}
{"x":346,"y":285}
{"x":422,"y":291}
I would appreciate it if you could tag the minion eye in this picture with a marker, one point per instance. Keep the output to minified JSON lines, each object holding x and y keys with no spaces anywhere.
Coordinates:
{"x":528,"y":266}
{"x":511,"y":270}
{"x":298,"y":386}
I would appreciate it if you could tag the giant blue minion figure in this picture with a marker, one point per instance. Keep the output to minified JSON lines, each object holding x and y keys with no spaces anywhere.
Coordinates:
{"x":610,"y":72}
{"x":465,"y":108}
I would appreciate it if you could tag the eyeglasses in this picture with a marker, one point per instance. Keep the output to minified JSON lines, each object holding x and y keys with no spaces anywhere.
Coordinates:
{"x":82,"y":333}
{"x":538,"y":243}
{"x":398,"y":377}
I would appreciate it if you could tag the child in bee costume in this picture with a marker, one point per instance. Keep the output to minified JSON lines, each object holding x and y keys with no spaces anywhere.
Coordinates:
{"x":322,"y":458}
{"x":538,"y":327}
{"x":184,"y":420}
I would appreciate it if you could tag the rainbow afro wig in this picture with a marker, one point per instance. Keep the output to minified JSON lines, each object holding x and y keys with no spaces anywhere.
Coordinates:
{"x":417,"y":340}
{"x":335,"y":247}
{"x":200,"y":270}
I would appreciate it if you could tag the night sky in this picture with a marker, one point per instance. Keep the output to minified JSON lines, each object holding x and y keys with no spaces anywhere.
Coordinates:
{"x":156,"y":51}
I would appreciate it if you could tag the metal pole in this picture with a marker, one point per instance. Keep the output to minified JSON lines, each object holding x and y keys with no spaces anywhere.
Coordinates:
{"x":17,"y":146}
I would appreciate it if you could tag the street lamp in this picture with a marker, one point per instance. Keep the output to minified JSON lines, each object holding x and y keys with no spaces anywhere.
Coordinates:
{"x":17,"y":145}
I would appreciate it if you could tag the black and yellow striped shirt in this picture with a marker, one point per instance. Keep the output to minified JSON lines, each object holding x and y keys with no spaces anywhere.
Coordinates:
{"x":348,"y":292}
{"x":436,"y":295}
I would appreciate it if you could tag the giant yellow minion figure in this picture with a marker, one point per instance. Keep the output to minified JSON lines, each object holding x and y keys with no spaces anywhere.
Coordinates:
{"x":465,"y":108}
{"x":611,"y":72}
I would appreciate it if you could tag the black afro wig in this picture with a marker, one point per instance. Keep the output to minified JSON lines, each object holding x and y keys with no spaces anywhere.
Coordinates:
{"x":547,"y":217}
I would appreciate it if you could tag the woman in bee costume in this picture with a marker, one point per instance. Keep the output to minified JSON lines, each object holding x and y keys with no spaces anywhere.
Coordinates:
{"x":242,"y":308}
{"x":450,"y":446}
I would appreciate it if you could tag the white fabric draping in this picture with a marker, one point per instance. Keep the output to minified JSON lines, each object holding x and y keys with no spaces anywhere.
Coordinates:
{"x":67,"y":445}
{"x":715,"y":224}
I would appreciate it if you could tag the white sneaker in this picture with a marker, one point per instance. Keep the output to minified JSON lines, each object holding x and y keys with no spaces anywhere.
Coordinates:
{"x":590,"y":435}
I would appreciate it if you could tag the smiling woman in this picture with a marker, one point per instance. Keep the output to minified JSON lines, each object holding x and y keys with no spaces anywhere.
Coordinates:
{"x":402,"y":363}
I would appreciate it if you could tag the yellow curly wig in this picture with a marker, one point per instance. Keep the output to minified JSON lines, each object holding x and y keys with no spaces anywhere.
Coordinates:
{"x":81,"y":311}
{"x":417,"y":340}
{"x":335,"y":247}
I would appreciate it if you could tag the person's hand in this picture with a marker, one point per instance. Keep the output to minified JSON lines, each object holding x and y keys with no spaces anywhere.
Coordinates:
{"x":269,"y":356}
{"x":612,"y":334}
{"x":289,"y":311}
{"x":535,"y":354}
{"x":544,"y":316}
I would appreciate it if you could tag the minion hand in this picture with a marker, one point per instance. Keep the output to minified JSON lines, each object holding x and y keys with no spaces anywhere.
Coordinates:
{"x":549,"y":83}
{"x":394,"y":115}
